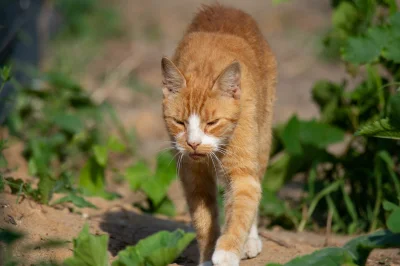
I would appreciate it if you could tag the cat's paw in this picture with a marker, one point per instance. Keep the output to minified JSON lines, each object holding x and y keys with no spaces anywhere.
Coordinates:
{"x":252,"y":247}
{"x":225,"y":258}
{"x":206,"y":263}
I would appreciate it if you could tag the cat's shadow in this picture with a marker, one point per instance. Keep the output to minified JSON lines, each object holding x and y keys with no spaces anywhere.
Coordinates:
{"x":126,"y":228}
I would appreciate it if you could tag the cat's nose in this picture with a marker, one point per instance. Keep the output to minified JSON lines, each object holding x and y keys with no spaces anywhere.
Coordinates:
{"x":193,"y":144}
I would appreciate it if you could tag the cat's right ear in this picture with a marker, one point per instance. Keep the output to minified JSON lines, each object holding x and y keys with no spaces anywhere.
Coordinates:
{"x":173,"y":80}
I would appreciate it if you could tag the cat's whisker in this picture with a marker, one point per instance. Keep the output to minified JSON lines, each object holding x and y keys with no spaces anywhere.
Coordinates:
{"x":173,"y":158}
{"x":165,"y":149}
{"x":216,"y":172}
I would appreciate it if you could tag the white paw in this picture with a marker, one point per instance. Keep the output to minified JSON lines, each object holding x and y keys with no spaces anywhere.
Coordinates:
{"x":225,"y":258}
{"x":252,"y":248}
{"x":206,"y":263}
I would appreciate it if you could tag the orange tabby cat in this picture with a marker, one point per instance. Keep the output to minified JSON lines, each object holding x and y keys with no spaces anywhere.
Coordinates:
{"x":219,"y":91}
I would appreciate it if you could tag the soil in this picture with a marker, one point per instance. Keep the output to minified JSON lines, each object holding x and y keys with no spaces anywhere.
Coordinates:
{"x":152,"y":29}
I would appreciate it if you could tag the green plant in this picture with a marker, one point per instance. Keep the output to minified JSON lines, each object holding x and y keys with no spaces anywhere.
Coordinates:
{"x":62,"y":127}
{"x":352,"y":183}
{"x":154,"y":185}
{"x":159,"y":249}
{"x":353,"y":253}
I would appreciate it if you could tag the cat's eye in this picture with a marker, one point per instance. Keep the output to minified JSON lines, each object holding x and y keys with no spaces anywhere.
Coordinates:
{"x":211,"y":123}
{"x":179,"y":122}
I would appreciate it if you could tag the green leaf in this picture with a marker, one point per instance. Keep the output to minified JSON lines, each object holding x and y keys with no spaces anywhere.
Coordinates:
{"x":326,"y":257}
{"x":138,"y":174}
{"x":89,"y":250}
{"x":92,"y":177}
{"x":318,"y":134}
{"x":78,"y":201}
{"x":389,"y":206}
{"x":92,"y":180}
{"x":154,"y":190}
{"x":344,"y":15}
{"x":166,"y":169}
{"x":361,"y":50}
{"x":277,"y":173}
{"x":101,"y":155}
{"x":5,"y":73}
{"x":45,"y":188}
{"x":392,"y":51}
{"x":290,"y":137}
{"x":114,"y":144}
{"x":159,"y":249}
{"x":167,"y":208}
{"x":361,"y":247}
{"x":68,"y":122}
{"x":393,"y":222}
{"x":380,"y":128}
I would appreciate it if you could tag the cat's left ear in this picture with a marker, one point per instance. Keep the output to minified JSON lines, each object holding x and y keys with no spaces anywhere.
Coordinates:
{"x":228,"y":81}
{"x":173,"y":80}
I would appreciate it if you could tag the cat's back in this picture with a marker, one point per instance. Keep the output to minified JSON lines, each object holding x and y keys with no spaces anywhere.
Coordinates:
{"x":226,"y":20}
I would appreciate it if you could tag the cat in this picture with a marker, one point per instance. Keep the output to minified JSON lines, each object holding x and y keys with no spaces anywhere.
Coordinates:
{"x":218,"y":97}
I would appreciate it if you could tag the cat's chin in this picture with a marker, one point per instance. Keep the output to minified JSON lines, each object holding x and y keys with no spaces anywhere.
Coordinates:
{"x":197,"y":156}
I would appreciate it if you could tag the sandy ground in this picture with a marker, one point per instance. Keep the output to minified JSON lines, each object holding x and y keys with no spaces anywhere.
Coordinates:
{"x":292,"y":29}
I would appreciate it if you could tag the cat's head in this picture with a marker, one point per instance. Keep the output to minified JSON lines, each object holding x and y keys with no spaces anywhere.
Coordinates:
{"x":201,"y":115}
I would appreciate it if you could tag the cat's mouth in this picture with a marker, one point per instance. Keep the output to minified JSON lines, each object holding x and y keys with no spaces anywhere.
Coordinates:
{"x":196,"y":156}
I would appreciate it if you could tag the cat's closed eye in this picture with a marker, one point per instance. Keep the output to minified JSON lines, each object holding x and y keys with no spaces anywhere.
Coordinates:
{"x":179,"y":122}
{"x":213,"y":122}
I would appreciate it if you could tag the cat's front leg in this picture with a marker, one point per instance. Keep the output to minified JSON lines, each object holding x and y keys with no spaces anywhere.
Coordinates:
{"x":244,"y":194}
{"x":201,"y":195}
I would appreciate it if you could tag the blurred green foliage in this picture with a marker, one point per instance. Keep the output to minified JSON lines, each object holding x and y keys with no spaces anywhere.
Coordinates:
{"x":154,"y":185}
{"x":351,"y":184}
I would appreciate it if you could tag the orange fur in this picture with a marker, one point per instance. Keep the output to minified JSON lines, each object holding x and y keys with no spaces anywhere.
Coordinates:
{"x":224,"y":72}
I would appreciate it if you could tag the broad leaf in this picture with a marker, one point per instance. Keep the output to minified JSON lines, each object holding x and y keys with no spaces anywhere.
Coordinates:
{"x":166,"y":169}
{"x":361,"y":50}
{"x":100,"y":154}
{"x":362,"y":246}
{"x":291,"y":136}
{"x":318,"y":134}
{"x":89,"y":250}
{"x":159,"y":249}
{"x":92,"y":180}
{"x":68,"y":122}
{"x":393,"y":222}
{"x":138,"y":174}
